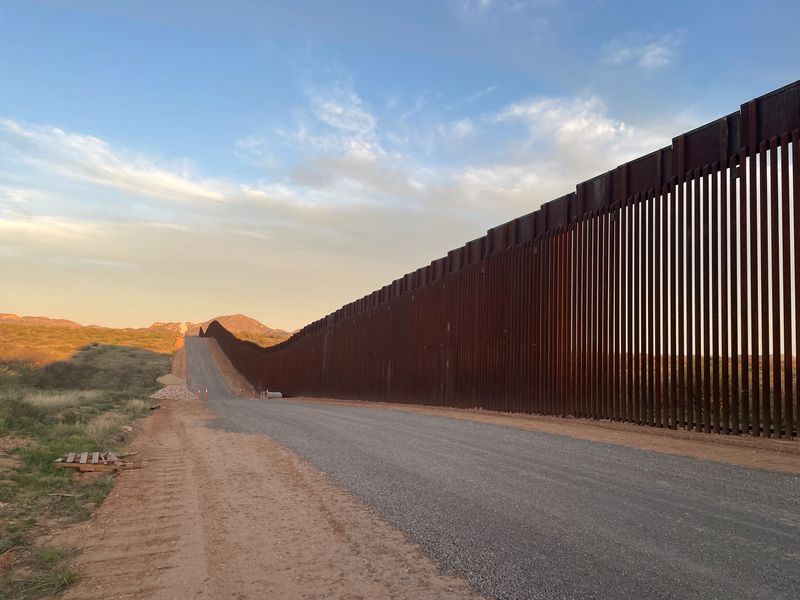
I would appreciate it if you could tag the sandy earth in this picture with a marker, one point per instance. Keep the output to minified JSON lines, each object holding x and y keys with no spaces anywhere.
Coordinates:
{"x":223,"y":515}
{"x":179,"y":359}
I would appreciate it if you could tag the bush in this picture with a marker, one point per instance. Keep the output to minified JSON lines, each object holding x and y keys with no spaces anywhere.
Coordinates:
{"x":58,"y":375}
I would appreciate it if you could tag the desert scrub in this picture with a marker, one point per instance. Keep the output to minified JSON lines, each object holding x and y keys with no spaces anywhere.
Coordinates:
{"x":81,"y":404}
{"x":40,"y":345}
{"x":50,"y":575}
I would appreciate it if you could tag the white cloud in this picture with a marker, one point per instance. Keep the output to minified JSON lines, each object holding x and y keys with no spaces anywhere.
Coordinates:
{"x":654,"y":56}
{"x":562,"y":116}
{"x":19,"y":196}
{"x":648,"y":55}
{"x":456,"y":130}
{"x":45,"y":229}
{"x":471,"y":8}
{"x":92,"y":159}
{"x":336,"y":122}
{"x":577,"y":135}
{"x":479,"y":10}
{"x":342,"y":109}
{"x":562,"y":141}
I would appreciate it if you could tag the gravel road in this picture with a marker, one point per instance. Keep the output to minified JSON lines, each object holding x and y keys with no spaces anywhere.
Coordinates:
{"x":526,"y":514}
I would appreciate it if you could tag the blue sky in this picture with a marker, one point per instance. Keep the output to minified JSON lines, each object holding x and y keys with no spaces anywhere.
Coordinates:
{"x":176,"y":160}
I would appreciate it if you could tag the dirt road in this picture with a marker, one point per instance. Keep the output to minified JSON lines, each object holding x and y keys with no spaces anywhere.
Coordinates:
{"x":226,"y":512}
{"x":527,"y":514}
{"x":214,"y":514}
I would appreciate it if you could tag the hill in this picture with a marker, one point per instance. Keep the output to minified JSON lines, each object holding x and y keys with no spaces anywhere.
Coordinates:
{"x":244,"y":324}
{"x":238,"y":324}
{"x":42,"y":340}
{"x":6,"y":318}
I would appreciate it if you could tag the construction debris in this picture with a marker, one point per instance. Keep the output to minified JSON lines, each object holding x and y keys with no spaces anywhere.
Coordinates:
{"x":174,"y":392}
{"x":94,"y":461}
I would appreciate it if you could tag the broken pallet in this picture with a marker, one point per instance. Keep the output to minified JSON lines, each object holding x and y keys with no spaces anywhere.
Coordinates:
{"x":94,"y":461}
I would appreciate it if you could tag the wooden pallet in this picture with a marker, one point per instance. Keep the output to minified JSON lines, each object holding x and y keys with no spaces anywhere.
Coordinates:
{"x":94,"y":461}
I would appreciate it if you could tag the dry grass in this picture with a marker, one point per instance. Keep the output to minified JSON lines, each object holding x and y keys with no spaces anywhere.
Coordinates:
{"x":103,"y":427}
{"x":56,"y":400}
{"x":135,"y":407}
{"x":262,"y":340}
{"x":46,"y":411}
{"x":41,"y":345}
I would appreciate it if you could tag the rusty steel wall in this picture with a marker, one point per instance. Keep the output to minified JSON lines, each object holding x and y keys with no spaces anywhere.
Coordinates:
{"x":661,"y":293}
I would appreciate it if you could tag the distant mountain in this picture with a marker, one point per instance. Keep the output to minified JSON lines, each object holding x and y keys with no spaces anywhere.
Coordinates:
{"x":41,"y":321}
{"x":236,"y":324}
{"x":245,"y":324}
{"x":172,"y":326}
{"x":240,"y":325}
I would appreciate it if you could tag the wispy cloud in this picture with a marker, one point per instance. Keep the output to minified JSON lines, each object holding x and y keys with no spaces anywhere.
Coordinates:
{"x":563,"y":141}
{"x":254,"y":150}
{"x":45,"y":228}
{"x":471,"y":98}
{"x":419,"y":103}
{"x":92,"y":159}
{"x":456,"y":130}
{"x":343,"y":109}
{"x":477,"y":9}
{"x":471,"y":8}
{"x":637,"y":50}
{"x":336,"y":121}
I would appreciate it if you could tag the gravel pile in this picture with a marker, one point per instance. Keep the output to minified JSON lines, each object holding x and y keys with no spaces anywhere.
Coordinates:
{"x":173,"y":392}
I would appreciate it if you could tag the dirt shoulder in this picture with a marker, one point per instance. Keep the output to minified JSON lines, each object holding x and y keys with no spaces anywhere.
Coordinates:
{"x":235,"y":381}
{"x":179,"y":359}
{"x":745,"y":451}
{"x":214,"y":514}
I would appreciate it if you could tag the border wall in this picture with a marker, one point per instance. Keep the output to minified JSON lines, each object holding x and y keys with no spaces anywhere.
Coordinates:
{"x":663,"y":292}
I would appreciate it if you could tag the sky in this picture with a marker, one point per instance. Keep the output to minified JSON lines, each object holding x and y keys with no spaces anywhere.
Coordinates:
{"x":177,"y":160}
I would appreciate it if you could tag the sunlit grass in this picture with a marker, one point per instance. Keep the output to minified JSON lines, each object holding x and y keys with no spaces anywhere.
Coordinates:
{"x":40,"y":345}
{"x":53,"y":401}
{"x":80,"y":404}
{"x":261,"y":339}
